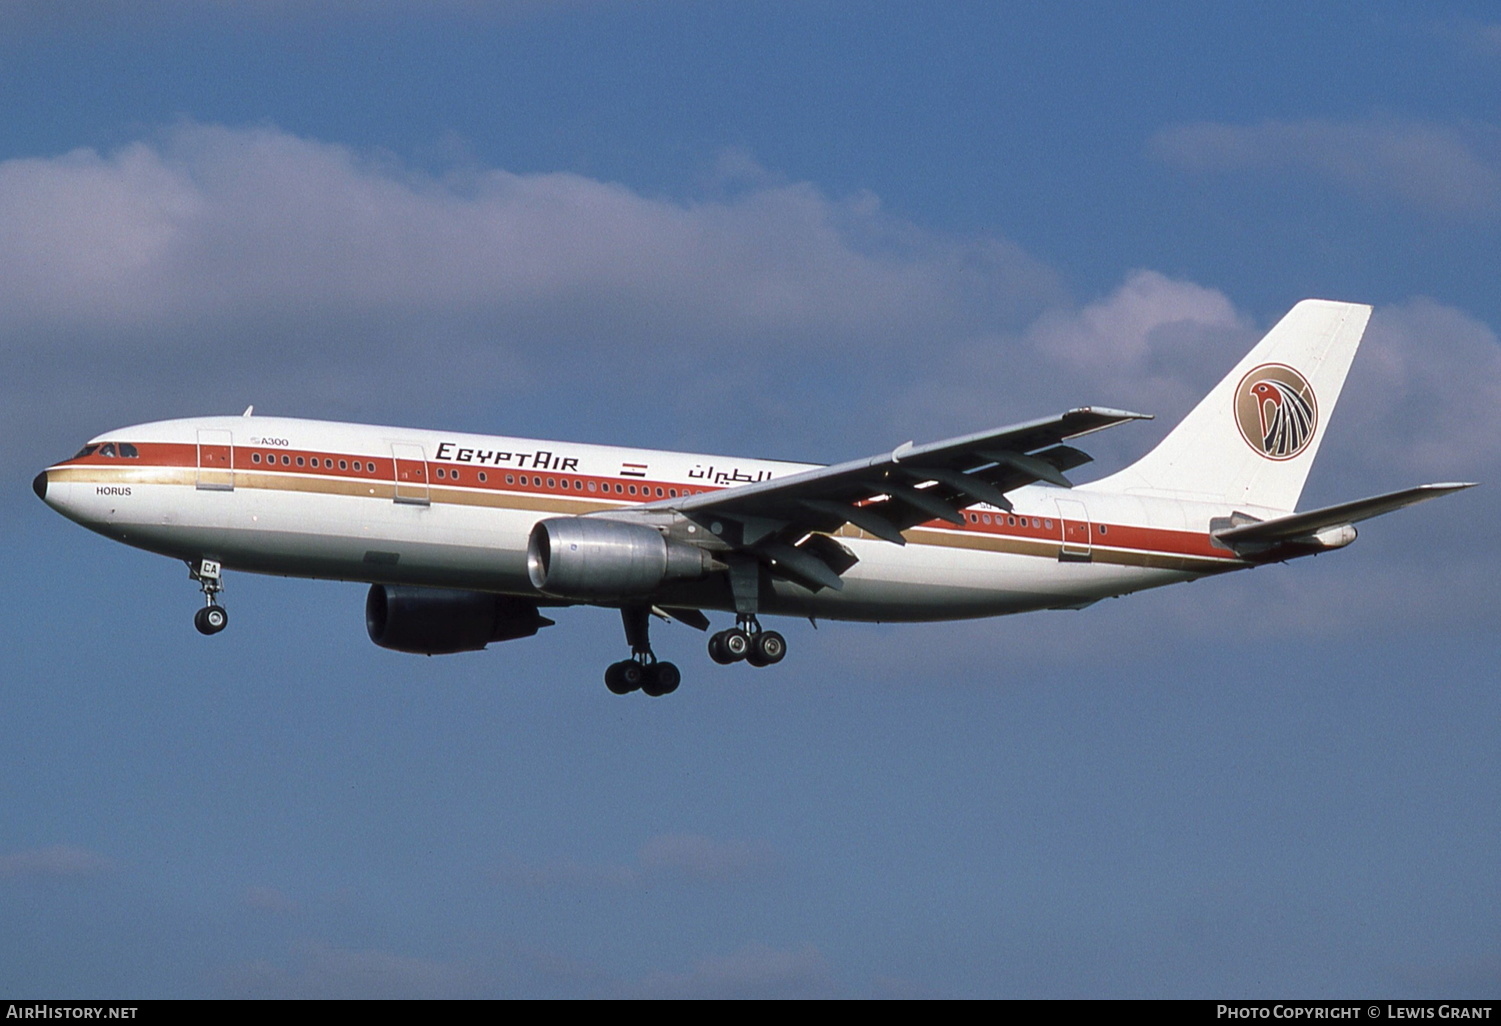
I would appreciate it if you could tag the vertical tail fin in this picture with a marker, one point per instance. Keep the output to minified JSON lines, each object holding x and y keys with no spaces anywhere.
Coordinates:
{"x":1252,"y":439}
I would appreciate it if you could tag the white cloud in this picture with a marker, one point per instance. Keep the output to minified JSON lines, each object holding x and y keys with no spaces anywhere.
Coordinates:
{"x":1487,"y":39}
{"x":755,"y":971}
{"x":694,"y":857}
{"x":214,"y":222}
{"x":59,"y":862}
{"x":666,"y":858}
{"x":239,"y":265}
{"x":271,"y":901}
{"x":1471,"y":37}
{"x":1424,"y":396}
{"x":1422,"y":404}
{"x":322,"y":972}
{"x":1452,"y":169}
{"x":1154,"y":345}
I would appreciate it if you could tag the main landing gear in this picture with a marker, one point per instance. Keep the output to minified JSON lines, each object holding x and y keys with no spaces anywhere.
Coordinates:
{"x":746,"y":640}
{"x":641,"y":672}
{"x":212,"y":618}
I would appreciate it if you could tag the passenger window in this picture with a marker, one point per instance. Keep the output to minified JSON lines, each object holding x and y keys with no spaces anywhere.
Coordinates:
{"x":255,"y":457}
{"x":299,"y":461}
{"x":482,"y":477}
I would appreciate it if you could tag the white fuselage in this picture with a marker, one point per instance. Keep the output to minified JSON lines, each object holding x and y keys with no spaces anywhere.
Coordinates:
{"x":399,"y":506}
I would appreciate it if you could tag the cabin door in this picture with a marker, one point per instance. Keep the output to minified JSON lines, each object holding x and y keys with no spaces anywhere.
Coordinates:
{"x":1073,"y":521}
{"x":216,"y":455}
{"x":411,"y":473}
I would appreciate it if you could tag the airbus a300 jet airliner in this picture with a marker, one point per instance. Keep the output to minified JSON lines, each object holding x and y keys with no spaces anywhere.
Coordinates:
{"x":465,"y":539}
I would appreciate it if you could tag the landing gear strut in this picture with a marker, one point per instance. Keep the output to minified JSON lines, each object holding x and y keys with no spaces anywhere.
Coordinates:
{"x":746,"y":640}
{"x":641,"y":671}
{"x":212,"y":618}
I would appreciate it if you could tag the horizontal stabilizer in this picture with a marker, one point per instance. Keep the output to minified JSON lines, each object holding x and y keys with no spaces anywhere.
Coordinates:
{"x":1300,"y":526}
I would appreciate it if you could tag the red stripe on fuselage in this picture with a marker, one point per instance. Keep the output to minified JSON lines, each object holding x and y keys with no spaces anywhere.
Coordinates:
{"x":624,"y":491}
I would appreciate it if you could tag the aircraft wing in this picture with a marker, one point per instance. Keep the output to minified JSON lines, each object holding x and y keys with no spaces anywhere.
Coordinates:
{"x":785,"y":522}
{"x":1301,"y":526}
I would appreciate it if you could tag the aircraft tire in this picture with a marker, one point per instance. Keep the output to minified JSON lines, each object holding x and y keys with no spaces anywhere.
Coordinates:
{"x":767,"y":649}
{"x":662,"y":679}
{"x":211,"y":619}
{"x":717,"y":651}
{"x":619,"y":680}
{"x":737,"y":644}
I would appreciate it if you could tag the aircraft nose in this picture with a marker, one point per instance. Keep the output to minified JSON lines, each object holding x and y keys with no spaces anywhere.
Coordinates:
{"x":39,"y":485}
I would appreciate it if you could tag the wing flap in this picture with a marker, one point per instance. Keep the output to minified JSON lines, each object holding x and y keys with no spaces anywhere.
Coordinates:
{"x":783,"y":523}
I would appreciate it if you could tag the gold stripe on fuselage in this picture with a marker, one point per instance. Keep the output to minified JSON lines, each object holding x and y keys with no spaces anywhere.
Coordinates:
{"x":366,"y":488}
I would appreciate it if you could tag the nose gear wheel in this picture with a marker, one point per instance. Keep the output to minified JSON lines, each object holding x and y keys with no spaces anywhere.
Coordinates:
{"x":212,"y":618}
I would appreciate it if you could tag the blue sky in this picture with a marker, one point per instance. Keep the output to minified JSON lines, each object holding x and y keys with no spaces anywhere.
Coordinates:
{"x":806,"y":231}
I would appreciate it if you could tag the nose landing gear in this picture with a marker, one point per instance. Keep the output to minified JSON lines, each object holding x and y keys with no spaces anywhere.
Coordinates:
{"x":212,"y":618}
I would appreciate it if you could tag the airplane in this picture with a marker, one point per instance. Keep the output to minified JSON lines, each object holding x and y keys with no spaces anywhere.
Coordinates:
{"x":466,"y":539}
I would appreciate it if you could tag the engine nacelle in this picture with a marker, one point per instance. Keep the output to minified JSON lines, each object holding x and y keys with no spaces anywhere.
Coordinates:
{"x":1335,"y":537}
{"x":435,"y":621}
{"x":591,"y":559}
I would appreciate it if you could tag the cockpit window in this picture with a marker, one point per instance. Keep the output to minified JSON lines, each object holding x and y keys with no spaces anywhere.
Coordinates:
{"x":110,"y":450}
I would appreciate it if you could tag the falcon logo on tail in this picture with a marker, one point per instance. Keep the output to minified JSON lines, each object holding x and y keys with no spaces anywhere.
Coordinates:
{"x":1276,"y":411}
